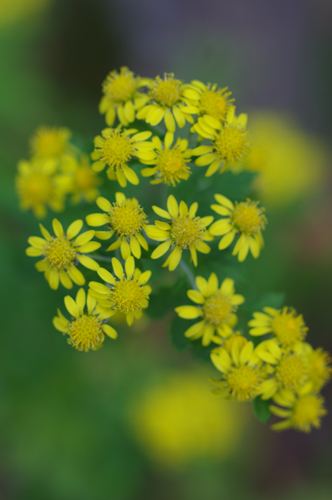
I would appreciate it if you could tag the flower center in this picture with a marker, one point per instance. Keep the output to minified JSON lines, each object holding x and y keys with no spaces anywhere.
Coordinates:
{"x":320,"y":370}
{"x":244,"y":382}
{"x":120,"y":87}
{"x":49,"y":142}
{"x":127,"y":218}
{"x":59,"y":253}
{"x":307,"y":411}
{"x":127,"y":296}
{"x":217,"y":309}
{"x":186,"y":232}
{"x":37,"y":187}
{"x":248,"y":218}
{"x":85,"y":178}
{"x":117,"y":149}
{"x":232,"y":143}
{"x":172,"y":166}
{"x":166,"y":92}
{"x":85,"y":333}
{"x":291,"y":372}
{"x":288,"y":329}
{"x":214,"y":104}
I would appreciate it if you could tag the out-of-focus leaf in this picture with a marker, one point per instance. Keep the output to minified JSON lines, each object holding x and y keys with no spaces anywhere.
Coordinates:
{"x":261,"y":409}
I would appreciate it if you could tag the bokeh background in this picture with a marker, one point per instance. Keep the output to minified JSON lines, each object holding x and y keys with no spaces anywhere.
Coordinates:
{"x":133,"y":420}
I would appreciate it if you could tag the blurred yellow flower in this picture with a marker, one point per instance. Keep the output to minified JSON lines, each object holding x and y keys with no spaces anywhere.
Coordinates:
{"x":179,"y":420}
{"x":290,"y":162}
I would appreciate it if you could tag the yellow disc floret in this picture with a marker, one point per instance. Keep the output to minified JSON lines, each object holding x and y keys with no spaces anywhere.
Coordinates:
{"x":248,"y":218}
{"x":243,"y":382}
{"x":291,"y":372}
{"x":127,"y":218}
{"x":232,"y":143}
{"x":167,"y":91}
{"x":307,"y":412}
{"x":217,"y":308}
{"x":215,"y":103}
{"x":60,"y":253}
{"x":36,"y":188}
{"x":120,"y":86}
{"x":128,"y":296}
{"x":49,"y":142}
{"x":288,"y":328}
{"x":186,"y":231}
{"x":172,"y":166}
{"x":117,"y":149}
{"x":85,"y":333}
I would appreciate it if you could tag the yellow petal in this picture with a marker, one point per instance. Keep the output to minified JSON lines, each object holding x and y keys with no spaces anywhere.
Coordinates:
{"x":172,"y":206}
{"x":117,"y":268}
{"x":188,"y":312}
{"x":57,"y":228}
{"x":74,"y":229}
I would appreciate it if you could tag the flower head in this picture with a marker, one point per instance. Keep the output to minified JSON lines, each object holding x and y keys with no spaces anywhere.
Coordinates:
{"x":62,"y":253}
{"x":86,"y":330}
{"x":170,"y":163}
{"x":215,"y":308}
{"x":287,"y":327}
{"x":182,"y":231}
{"x":230,"y":142}
{"x":209,"y":100}
{"x":167,"y":101}
{"x":287,"y":369}
{"x":122,"y":97}
{"x":126,"y":292}
{"x":246,"y":219}
{"x":300,"y":412}
{"x":115,"y":148}
{"x":38,"y":186}
{"x":318,"y":363}
{"x":50,"y":142}
{"x":126,"y":219}
{"x":85,"y":181}
{"x":241,"y":369}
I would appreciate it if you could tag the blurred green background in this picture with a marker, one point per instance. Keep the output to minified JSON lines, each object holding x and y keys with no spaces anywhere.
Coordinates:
{"x":111,"y":424}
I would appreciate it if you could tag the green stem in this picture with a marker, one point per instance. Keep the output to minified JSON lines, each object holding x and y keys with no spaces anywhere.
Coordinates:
{"x":189,"y":274}
{"x":99,"y":257}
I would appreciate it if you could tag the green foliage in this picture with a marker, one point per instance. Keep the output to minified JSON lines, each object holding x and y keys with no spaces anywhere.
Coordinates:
{"x":261,"y":409}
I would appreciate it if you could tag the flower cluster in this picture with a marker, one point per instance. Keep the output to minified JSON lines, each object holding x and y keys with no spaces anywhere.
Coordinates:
{"x":143,"y":142}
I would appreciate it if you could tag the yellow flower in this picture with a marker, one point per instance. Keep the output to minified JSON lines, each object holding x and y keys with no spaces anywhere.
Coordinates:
{"x":126,"y":219}
{"x":209,"y":100}
{"x":170,"y":163}
{"x":126,"y":292}
{"x":183,"y":230}
{"x":318,"y":364}
{"x":286,"y":326}
{"x":61,"y":253}
{"x":167,"y":101}
{"x":38,"y":186}
{"x":230,"y":142}
{"x":85,"y":330}
{"x":246,"y":219}
{"x":116,"y":148}
{"x":178,"y":420}
{"x":122,"y":97}
{"x":300,"y":412}
{"x":84,"y":182}
{"x":216,"y":307}
{"x":50,"y":142}
{"x":287,"y":369}
{"x":241,"y":369}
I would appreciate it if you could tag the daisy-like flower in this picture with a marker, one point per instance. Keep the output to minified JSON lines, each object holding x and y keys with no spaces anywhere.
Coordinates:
{"x":246,"y":219}
{"x":230,"y":142}
{"x":50,"y":142}
{"x":167,"y":102}
{"x":126,"y":220}
{"x":126,"y":292}
{"x":116,"y":147}
{"x":86,"y":330}
{"x":38,"y":186}
{"x":85,"y":182}
{"x":241,"y":369}
{"x":287,"y":369}
{"x":318,"y":364}
{"x":299,"y":411}
{"x":62,"y":253}
{"x":215,"y":308}
{"x":182,"y":231}
{"x":209,"y":100}
{"x":287,"y":327}
{"x":122,"y":97}
{"x":170,"y":162}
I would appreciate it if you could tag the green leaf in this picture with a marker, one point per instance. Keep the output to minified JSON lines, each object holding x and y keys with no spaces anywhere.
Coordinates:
{"x":261,"y":409}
